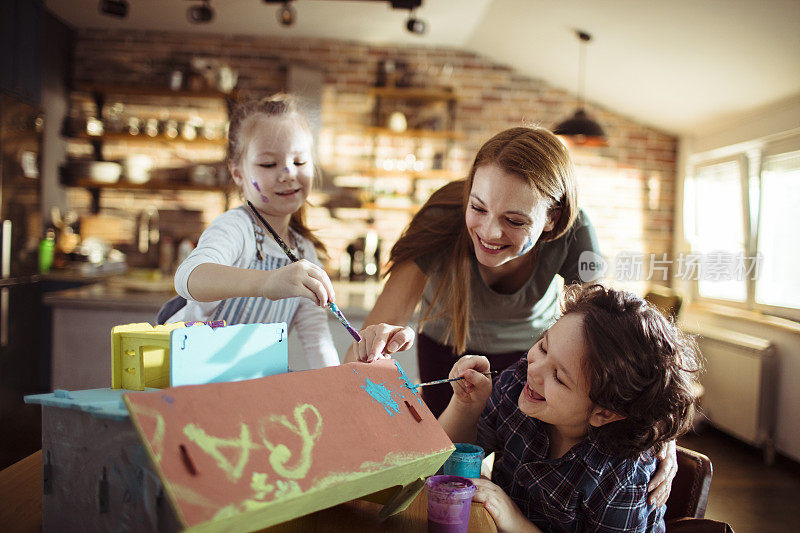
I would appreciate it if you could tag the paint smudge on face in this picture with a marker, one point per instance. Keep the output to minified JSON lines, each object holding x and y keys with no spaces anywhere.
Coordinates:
{"x":257,"y":188}
{"x":527,"y":247}
{"x":356,"y":371}
{"x":382,"y":395}
{"x":167,"y":398}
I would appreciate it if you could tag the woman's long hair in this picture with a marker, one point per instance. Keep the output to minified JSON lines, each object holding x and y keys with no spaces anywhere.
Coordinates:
{"x":241,"y":127}
{"x":439,"y":230}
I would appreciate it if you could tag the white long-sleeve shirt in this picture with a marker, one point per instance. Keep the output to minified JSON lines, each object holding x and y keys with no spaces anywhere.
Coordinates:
{"x":235,"y":239}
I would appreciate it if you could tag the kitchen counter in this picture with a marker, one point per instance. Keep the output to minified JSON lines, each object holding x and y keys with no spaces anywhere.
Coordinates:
{"x":109,"y":297}
{"x":353,"y":298}
{"x":82,"y":319}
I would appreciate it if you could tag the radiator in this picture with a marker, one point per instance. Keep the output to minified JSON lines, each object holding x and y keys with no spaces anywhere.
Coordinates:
{"x":740,"y":385}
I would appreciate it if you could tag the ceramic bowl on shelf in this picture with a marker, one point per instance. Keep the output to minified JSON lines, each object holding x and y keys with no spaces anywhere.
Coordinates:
{"x":97,"y":171}
{"x":104,"y":171}
{"x":137,"y":168}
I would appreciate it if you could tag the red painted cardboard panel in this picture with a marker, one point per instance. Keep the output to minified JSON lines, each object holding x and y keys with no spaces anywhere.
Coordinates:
{"x":335,"y":434}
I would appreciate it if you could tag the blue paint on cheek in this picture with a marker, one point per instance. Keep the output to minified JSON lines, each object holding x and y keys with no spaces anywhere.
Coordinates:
{"x":382,"y":395}
{"x":527,"y":247}
{"x":255,"y":185}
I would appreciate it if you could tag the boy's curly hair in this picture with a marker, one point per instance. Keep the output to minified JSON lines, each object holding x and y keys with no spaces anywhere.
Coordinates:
{"x":639,"y":365}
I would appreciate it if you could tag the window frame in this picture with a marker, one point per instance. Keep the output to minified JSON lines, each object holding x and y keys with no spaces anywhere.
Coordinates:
{"x":751,"y":157}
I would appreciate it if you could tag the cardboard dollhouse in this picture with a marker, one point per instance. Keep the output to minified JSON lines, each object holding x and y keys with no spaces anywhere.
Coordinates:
{"x":236,"y":443}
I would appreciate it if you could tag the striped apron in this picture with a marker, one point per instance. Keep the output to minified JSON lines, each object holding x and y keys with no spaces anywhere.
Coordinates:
{"x":252,"y":309}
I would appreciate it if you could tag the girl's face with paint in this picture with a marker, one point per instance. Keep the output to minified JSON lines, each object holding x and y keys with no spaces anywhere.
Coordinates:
{"x":276,"y":171}
{"x":505,"y":216}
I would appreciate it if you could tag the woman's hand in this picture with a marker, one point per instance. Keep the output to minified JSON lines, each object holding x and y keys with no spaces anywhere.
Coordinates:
{"x":379,"y":341}
{"x":303,"y":279}
{"x":505,"y":513}
{"x":475,"y":388}
{"x":661,"y":483}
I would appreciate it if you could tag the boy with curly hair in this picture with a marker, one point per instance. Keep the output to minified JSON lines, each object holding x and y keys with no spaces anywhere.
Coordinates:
{"x":577,"y":424}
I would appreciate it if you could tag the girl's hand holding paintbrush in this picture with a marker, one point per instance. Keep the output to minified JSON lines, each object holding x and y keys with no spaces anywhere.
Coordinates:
{"x":303,"y":279}
{"x":382,"y":340}
{"x":474,"y":390}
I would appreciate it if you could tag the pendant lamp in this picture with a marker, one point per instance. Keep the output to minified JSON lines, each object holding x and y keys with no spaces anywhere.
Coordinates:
{"x":580,"y":129}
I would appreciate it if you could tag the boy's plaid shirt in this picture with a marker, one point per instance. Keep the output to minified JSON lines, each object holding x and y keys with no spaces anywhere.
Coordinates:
{"x":587,"y":489}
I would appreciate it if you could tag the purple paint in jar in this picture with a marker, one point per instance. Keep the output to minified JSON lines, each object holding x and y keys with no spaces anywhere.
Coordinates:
{"x":449,"y":503}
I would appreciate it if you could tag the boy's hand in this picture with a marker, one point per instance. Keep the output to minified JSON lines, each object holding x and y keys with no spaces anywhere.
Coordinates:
{"x":379,"y":341}
{"x":475,"y":388}
{"x":303,"y":279}
{"x":661,"y":484}
{"x":505,"y":513}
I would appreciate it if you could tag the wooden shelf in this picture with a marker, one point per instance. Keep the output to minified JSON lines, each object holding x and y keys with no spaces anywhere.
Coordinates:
{"x":414,"y":93}
{"x":133,"y":90}
{"x":148,"y":186}
{"x":414,"y":174}
{"x":430,"y":134}
{"x":373,"y":207}
{"x":127,"y":137}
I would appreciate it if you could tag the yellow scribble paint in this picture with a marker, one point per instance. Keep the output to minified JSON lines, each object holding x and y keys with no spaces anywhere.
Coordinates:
{"x":211,"y":445}
{"x":258,"y":482}
{"x":280,"y":454}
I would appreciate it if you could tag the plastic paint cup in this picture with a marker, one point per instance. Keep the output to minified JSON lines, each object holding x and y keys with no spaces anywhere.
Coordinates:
{"x":449,"y":503}
{"x":465,"y":461}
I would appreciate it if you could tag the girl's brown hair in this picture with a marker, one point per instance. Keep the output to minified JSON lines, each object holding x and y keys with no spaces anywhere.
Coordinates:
{"x":241,"y":126}
{"x":639,"y":364}
{"x":439,"y":230}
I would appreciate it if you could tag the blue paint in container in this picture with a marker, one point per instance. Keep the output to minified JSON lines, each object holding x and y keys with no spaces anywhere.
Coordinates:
{"x":465,"y":461}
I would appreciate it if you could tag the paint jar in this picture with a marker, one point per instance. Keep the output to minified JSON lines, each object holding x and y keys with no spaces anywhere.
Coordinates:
{"x":465,"y":461}
{"x":449,"y":503}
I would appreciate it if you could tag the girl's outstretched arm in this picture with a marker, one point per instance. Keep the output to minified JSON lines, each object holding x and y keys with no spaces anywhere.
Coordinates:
{"x":209,"y":282}
{"x":384,"y":331}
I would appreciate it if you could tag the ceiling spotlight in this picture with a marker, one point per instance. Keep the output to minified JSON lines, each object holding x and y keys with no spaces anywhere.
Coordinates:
{"x":415,"y":25}
{"x":200,"y":14}
{"x":114,"y":8}
{"x":286,"y":14}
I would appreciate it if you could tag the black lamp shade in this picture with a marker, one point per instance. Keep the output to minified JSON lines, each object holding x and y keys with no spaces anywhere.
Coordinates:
{"x":582,"y":130}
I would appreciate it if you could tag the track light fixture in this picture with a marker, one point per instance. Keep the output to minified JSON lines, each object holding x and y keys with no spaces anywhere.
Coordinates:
{"x":114,"y":8}
{"x":286,"y":14}
{"x":200,"y":14}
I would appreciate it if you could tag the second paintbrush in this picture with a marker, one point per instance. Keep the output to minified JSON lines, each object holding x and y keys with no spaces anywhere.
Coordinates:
{"x":288,"y":251}
{"x":448,"y":380}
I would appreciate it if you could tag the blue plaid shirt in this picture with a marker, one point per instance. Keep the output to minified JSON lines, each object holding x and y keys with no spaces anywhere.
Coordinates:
{"x":587,"y":489}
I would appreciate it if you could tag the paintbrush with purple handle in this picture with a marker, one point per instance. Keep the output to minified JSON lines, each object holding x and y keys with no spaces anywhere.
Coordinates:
{"x":290,"y":254}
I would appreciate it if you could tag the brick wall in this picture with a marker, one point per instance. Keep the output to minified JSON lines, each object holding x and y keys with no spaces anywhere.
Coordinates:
{"x":626,"y":188}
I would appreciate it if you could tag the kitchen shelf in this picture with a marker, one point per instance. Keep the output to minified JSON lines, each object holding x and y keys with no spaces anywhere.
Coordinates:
{"x":153,"y":186}
{"x":127,"y":137}
{"x":431,"y":134}
{"x":155,"y":91}
{"x":151,"y":101}
{"x":414,"y":93}
{"x":436,"y":174}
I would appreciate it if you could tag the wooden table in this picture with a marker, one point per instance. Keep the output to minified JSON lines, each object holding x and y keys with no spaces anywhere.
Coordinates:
{"x":21,"y":509}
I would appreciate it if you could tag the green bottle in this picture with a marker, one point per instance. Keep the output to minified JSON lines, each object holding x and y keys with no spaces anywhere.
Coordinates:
{"x":47,"y":250}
